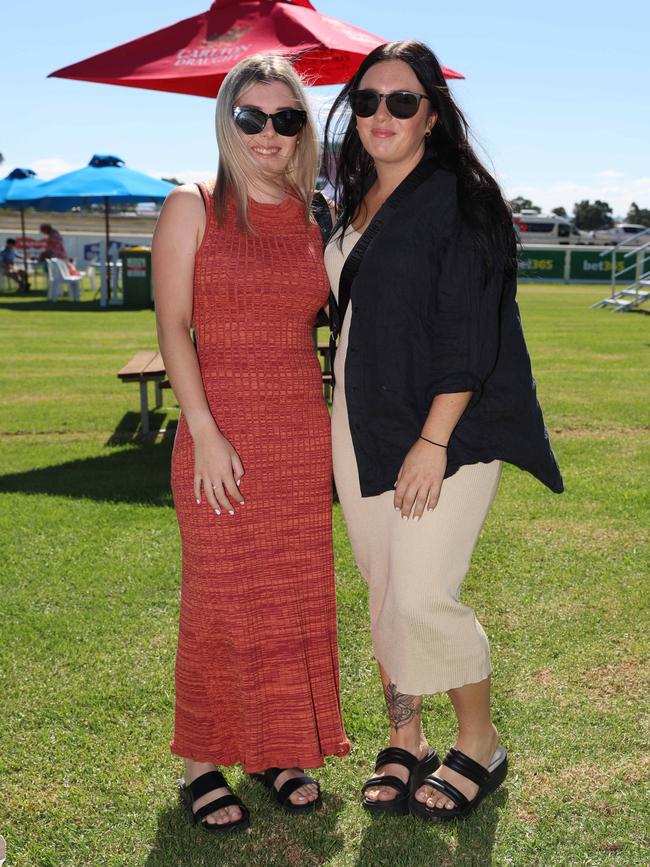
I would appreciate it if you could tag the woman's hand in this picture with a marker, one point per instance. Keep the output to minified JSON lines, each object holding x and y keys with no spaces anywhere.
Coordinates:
{"x":218,"y":469}
{"x":420,"y":479}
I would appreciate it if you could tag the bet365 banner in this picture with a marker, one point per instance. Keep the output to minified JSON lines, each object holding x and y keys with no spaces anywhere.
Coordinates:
{"x":589,"y":267}
{"x":541,"y":264}
{"x":585,"y":266}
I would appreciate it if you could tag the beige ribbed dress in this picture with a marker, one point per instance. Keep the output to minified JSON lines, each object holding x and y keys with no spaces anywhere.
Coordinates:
{"x":425,"y":638}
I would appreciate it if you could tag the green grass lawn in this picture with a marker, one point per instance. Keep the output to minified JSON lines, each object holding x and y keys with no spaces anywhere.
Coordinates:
{"x":90,"y":574}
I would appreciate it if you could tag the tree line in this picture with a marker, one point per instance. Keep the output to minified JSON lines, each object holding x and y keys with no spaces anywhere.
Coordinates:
{"x":587,"y":215}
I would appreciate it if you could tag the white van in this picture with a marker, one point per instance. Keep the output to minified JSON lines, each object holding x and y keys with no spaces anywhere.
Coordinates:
{"x":630,"y":232}
{"x":534,"y":228}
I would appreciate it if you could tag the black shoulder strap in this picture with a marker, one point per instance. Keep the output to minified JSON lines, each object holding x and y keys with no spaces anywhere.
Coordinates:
{"x":353,"y":262}
{"x":323,"y":216}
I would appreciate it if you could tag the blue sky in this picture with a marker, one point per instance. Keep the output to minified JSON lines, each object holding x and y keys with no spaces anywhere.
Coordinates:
{"x":556,"y":92}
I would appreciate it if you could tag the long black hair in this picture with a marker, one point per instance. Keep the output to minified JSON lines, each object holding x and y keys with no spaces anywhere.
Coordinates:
{"x":352,"y":170}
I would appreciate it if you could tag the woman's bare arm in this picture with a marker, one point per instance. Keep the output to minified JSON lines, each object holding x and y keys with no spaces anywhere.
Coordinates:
{"x":177,"y":237}
{"x":175,"y":242}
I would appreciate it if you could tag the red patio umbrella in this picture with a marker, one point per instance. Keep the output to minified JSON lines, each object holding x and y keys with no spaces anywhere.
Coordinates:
{"x":194,"y":55}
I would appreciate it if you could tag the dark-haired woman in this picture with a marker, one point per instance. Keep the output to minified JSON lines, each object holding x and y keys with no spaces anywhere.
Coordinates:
{"x":433,"y":391}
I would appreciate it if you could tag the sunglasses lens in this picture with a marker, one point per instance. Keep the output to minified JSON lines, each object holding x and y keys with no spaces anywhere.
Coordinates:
{"x":250,"y":120}
{"x":289,"y":121}
{"x":364,"y":103}
{"x":402,"y":104}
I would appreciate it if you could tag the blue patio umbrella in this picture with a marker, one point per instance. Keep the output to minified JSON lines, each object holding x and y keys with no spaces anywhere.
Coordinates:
{"x":105,"y":180}
{"x":20,"y":181}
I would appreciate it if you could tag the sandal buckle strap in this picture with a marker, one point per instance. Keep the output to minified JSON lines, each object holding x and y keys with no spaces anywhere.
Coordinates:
{"x":387,"y":780}
{"x":206,"y":783}
{"x":446,"y":788}
{"x":396,"y":756}
{"x":271,"y":774}
{"x":219,"y":804}
{"x":287,"y":789}
{"x":462,"y":764}
{"x":429,"y":764}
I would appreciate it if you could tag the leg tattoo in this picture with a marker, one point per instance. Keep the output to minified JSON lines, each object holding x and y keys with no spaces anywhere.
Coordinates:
{"x":401,"y":708}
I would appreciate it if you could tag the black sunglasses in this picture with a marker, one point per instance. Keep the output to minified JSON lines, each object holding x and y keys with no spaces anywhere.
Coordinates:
{"x":287,"y":121}
{"x":402,"y":104}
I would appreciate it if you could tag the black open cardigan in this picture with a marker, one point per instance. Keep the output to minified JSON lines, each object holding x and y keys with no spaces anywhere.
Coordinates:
{"x":428,"y":319}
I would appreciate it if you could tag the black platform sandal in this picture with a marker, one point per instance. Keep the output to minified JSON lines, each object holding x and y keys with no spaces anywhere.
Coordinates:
{"x":487,"y":779}
{"x":282,"y":796}
{"x":418,"y":769}
{"x":191,"y":792}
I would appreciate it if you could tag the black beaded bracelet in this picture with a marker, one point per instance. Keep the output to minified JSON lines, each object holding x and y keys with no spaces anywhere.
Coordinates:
{"x":440,"y":445}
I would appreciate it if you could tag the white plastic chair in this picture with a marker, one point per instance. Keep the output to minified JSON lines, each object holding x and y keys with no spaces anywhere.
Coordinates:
{"x":91,"y":273}
{"x":117,"y":286}
{"x":59,"y":276}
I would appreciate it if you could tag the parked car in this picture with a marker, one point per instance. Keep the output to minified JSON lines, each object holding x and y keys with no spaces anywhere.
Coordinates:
{"x":623,"y":232}
{"x":535,"y":228}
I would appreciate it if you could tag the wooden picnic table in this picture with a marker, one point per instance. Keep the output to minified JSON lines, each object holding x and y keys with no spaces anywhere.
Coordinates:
{"x":148,"y":366}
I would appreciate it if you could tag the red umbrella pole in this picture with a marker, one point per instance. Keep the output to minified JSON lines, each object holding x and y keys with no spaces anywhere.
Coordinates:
{"x":108,"y":257}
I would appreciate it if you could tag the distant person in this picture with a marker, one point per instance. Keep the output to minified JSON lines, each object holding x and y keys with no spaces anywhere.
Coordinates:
{"x":240,"y":259}
{"x":433,"y":391}
{"x":8,"y":259}
{"x":54,"y":247}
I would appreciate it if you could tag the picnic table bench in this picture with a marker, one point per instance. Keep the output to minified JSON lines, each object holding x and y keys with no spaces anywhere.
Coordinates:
{"x":148,"y":366}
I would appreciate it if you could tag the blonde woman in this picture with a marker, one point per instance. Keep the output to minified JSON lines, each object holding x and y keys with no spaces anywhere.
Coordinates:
{"x":240,"y":260}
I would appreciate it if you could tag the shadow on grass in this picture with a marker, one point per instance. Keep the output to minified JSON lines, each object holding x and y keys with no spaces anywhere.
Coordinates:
{"x":65,"y":305}
{"x":22,"y":293}
{"x":411,"y":842}
{"x":274,"y":839}
{"x":127,"y":430}
{"x":137,"y":474}
{"x":36,"y":300}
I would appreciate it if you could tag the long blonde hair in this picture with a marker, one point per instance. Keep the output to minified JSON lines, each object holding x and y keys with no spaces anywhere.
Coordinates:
{"x":236,"y":166}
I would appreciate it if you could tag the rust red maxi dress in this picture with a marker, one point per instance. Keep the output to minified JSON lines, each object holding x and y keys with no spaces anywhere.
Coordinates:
{"x":257,"y":677}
